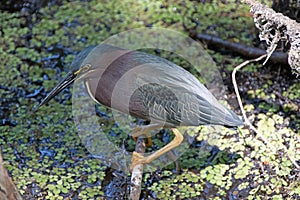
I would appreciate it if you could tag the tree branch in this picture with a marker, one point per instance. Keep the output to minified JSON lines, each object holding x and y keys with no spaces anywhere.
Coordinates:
{"x":241,"y":49}
{"x":137,"y":172}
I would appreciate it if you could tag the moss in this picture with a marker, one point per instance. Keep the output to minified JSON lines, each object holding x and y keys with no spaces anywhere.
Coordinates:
{"x":293,"y":92}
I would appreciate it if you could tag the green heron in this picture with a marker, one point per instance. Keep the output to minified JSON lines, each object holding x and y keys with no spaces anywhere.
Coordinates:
{"x":148,"y":87}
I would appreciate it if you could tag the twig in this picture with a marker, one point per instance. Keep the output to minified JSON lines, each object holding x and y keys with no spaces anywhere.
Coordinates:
{"x":137,"y":172}
{"x":273,"y":47}
{"x":247,"y":122}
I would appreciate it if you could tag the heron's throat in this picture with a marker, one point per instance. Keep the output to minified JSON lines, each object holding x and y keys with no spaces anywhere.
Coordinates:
{"x":91,"y":90}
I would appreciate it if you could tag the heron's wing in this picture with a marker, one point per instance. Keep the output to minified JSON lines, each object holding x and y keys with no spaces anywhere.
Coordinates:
{"x":183,"y":108}
{"x":172,"y":94}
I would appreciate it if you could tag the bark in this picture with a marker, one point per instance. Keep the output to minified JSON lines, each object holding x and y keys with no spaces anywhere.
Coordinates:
{"x":8,"y":190}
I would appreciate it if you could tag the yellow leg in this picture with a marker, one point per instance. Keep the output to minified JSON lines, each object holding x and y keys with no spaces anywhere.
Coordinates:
{"x":144,"y":130}
{"x":139,"y":159}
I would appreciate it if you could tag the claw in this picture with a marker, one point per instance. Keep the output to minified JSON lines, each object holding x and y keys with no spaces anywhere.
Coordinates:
{"x":136,"y":160}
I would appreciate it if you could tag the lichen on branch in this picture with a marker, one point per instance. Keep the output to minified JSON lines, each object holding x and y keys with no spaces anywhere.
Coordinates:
{"x":275,"y":27}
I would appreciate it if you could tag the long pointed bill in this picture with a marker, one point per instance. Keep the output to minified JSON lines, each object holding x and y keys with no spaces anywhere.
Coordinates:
{"x":69,"y":79}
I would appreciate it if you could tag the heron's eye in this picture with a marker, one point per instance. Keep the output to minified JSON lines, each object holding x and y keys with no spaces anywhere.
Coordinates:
{"x":83,"y":69}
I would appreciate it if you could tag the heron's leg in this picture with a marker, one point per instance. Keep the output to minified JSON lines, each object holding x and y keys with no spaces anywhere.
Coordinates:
{"x":144,"y":130}
{"x":139,"y":159}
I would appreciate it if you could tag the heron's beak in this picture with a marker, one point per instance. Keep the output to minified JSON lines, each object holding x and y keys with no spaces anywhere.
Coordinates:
{"x":68,"y":80}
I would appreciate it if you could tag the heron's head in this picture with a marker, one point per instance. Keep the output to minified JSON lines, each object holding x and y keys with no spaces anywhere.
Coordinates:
{"x":79,"y":69}
{"x":89,"y":63}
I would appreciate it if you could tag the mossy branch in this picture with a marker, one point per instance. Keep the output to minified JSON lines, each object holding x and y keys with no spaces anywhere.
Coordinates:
{"x":275,"y":27}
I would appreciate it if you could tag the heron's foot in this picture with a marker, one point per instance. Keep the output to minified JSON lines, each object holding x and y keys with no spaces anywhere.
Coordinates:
{"x":139,"y":159}
{"x":136,"y":160}
{"x":141,"y":130}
